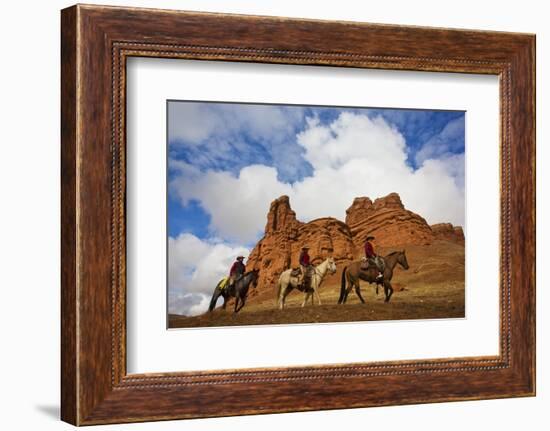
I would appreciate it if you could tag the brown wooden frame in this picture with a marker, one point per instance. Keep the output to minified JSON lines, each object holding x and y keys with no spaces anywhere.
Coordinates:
{"x":95,"y":43}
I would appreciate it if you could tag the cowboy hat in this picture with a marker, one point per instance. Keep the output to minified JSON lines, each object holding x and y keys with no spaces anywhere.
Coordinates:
{"x":305,"y":247}
{"x":240,"y":257}
{"x":369,"y":238}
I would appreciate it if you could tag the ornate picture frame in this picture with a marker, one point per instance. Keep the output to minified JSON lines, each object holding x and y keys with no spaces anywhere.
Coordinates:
{"x":96,"y":41}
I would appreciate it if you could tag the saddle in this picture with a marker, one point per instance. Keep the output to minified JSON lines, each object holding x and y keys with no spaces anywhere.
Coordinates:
{"x":367,"y":263}
{"x":296,"y":272}
{"x":225,"y":284}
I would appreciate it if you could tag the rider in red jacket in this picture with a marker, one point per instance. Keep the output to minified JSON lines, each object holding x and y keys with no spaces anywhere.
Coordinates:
{"x":305,"y":264}
{"x":237,"y":269}
{"x":369,"y":248}
{"x":370,"y":254}
{"x":304,"y":257}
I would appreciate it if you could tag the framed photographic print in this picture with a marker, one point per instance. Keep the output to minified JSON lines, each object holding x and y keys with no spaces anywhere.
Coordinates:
{"x":292,"y":214}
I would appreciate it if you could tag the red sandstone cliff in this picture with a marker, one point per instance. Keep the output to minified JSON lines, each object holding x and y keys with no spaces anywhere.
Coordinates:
{"x":386,"y":219}
{"x":284,"y":236}
{"x":448,"y":232}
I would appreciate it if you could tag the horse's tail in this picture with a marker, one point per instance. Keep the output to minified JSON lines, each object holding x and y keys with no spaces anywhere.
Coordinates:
{"x":215,"y":297}
{"x":343,"y":286}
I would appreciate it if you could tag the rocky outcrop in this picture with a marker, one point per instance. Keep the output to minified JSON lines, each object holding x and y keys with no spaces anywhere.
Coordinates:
{"x":284,"y":236}
{"x":448,"y":232}
{"x":325,"y":237}
{"x":386,"y":219}
{"x":281,"y":217}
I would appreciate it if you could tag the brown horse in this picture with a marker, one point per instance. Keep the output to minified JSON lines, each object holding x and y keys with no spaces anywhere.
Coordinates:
{"x":353,"y":273}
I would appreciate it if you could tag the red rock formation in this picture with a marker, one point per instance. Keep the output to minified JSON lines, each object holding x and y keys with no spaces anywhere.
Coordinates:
{"x":280,"y":217}
{"x":448,"y":232}
{"x":359,"y":210}
{"x":284,"y":237}
{"x":386,"y":219}
{"x":325,"y":237}
{"x":272,"y":254}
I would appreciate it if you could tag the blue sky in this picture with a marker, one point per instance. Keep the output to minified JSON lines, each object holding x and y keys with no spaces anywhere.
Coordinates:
{"x":427,"y":133}
{"x":227,"y":162}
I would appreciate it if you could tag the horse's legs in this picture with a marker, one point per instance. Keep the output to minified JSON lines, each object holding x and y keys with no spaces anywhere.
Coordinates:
{"x":345,"y":297}
{"x":214,"y":299}
{"x":358,"y":291}
{"x":348,"y":290}
{"x":236,"y":303}
{"x":282,"y":295}
{"x":282,"y":298}
{"x":306,"y":297}
{"x":317,"y":296}
{"x":388,"y":290}
{"x":243,"y":300}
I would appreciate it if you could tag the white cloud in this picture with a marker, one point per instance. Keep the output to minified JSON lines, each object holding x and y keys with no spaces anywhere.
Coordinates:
{"x":351,"y":137}
{"x":193,"y":122}
{"x":188,"y":304}
{"x":353,"y":156}
{"x":195,"y":267}
{"x":189,"y":122}
{"x":237,"y":205}
{"x":231,"y":135}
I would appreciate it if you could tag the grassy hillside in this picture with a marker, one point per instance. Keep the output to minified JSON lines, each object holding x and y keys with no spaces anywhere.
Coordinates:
{"x":433,"y":287}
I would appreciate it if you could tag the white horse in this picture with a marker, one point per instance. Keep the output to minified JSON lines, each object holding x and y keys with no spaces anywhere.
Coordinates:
{"x":287,"y":282}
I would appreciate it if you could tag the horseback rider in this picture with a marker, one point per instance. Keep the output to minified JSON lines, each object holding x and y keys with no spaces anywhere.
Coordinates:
{"x":372,"y":257}
{"x":237,"y":270}
{"x":306,"y":267}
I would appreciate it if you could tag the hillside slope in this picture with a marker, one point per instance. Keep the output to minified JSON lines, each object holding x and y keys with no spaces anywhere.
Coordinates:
{"x":433,"y":287}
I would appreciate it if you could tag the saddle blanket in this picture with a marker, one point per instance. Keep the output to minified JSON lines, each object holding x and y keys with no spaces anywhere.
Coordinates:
{"x":223,"y":283}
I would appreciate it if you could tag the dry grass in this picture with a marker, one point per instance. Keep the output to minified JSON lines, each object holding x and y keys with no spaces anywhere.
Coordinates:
{"x":433,"y":287}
